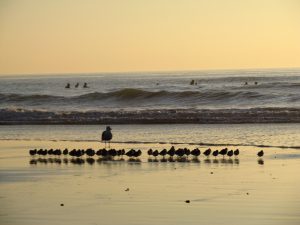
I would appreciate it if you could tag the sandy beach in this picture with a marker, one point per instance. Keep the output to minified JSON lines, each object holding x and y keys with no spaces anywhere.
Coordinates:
{"x":241,"y":190}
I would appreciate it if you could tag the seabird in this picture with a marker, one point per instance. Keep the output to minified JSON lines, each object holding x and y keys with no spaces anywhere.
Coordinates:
{"x":32,"y":152}
{"x":215,"y":153}
{"x":223,"y":152}
{"x":260,"y":153}
{"x":236,"y":152}
{"x":171,"y":151}
{"x":150,"y":152}
{"x":65,"y":152}
{"x":163,"y":152}
{"x":230,"y":153}
{"x":196,"y":152}
{"x":155,"y":153}
{"x":207,"y":152}
{"x":107,"y":136}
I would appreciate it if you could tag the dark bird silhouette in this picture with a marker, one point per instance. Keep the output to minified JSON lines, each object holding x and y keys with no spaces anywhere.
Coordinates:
{"x":123,"y":152}
{"x":196,"y":152}
{"x":99,"y":152}
{"x":215,"y":153}
{"x":236,"y":152}
{"x":104,"y":153}
{"x":72,"y":153}
{"x":120,"y":152}
{"x":32,"y":152}
{"x":230,"y":153}
{"x":50,"y":151}
{"x":57,"y":152}
{"x":39,"y":152}
{"x":180,"y":152}
{"x":107,"y":136}
{"x":112,"y":152}
{"x":42,"y":152}
{"x":207,"y":152}
{"x":65,"y":152}
{"x":137,"y":153}
{"x":155,"y":153}
{"x":90,"y":152}
{"x":223,"y":152}
{"x":131,"y":153}
{"x":150,"y":152}
{"x":260,"y":153}
{"x":171,"y":151}
{"x":79,"y":153}
{"x":187,"y":152}
{"x":163,"y":152}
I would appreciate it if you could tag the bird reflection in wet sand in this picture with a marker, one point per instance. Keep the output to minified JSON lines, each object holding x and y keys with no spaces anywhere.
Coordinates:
{"x":91,"y":161}
{"x":207,"y":161}
{"x":260,"y":162}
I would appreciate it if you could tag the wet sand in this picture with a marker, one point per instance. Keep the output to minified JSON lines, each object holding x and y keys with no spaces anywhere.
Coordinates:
{"x":238,"y":191}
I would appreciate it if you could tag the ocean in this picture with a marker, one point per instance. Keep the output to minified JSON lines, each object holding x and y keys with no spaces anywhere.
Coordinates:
{"x":157,"y":111}
{"x":237,"y":96}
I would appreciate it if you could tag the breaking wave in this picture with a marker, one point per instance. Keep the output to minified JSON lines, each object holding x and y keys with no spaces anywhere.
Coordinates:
{"x":159,"y":116}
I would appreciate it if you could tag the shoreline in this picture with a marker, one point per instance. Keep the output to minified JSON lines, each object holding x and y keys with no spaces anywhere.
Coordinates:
{"x":151,"y":116}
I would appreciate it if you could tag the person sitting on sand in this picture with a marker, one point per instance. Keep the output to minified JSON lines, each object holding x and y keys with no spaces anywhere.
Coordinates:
{"x":68,"y":85}
{"x":76,"y":85}
{"x":85,"y":85}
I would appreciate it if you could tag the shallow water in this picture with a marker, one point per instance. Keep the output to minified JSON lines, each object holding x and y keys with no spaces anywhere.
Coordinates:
{"x":280,"y":135}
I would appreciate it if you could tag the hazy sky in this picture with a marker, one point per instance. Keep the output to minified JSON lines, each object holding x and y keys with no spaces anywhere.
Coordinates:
{"x":58,"y":36}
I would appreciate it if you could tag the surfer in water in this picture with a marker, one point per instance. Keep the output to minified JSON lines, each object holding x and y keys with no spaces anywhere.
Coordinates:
{"x":85,"y":85}
{"x":68,"y":85}
{"x":76,"y":85}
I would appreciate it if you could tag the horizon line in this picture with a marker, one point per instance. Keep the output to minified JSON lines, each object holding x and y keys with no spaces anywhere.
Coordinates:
{"x":146,"y":71}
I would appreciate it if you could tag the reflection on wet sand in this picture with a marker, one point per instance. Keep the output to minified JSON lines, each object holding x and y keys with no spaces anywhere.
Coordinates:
{"x":194,"y":160}
{"x":260,"y":161}
{"x":79,"y":161}
{"x":91,"y":161}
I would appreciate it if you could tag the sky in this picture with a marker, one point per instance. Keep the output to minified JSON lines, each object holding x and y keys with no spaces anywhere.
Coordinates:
{"x":78,"y":36}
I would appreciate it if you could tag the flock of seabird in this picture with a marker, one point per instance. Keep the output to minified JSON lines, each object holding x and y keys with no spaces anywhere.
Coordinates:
{"x":132,"y":153}
{"x":181,"y":152}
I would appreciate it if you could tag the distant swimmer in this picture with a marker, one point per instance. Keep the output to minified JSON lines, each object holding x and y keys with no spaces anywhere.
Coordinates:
{"x":192,"y":82}
{"x":246,"y":83}
{"x":85,"y":85}
{"x":255,"y":83}
{"x":68,"y":85}
{"x":76,"y":85}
